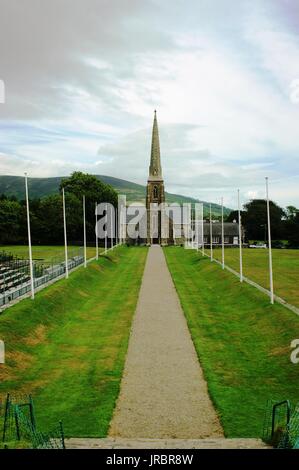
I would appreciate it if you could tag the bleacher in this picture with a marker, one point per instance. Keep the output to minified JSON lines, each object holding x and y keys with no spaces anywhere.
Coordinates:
{"x":14,"y":272}
{"x":11,"y":278}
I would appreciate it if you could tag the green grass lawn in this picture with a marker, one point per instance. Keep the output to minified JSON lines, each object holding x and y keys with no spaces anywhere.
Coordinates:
{"x":242,"y":341}
{"x":256,"y":267}
{"x":68,"y":346}
{"x":48,"y":254}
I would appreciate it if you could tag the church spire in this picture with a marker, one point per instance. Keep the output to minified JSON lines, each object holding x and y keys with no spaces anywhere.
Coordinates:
{"x":155,"y":170}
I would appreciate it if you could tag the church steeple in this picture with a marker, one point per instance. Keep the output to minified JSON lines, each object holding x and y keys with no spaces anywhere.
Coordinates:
{"x":155,"y":170}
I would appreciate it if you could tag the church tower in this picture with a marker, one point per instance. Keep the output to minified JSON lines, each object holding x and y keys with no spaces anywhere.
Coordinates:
{"x":155,"y":190}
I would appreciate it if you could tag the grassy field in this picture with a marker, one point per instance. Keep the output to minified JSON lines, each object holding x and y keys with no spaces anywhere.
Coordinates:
{"x":48,"y":254}
{"x":242,"y":341}
{"x":68,"y":346}
{"x":256,"y":267}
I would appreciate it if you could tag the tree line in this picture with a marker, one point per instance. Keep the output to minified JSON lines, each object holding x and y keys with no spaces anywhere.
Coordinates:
{"x":284,"y":223}
{"x":46,"y":215}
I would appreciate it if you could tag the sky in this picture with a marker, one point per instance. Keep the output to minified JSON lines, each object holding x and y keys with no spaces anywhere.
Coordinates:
{"x":79,"y":82}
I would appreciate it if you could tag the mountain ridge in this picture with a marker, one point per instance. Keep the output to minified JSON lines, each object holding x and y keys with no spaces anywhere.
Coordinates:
{"x":40,"y":187}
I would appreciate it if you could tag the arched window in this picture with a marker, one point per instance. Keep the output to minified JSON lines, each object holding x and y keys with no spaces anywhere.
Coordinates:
{"x":155,"y":192}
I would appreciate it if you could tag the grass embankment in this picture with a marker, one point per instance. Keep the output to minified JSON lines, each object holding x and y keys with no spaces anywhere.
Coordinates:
{"x":242,"y":341}
{"x":68,"y":346}
{"x":48,"y":254}
{"x":256,"y":267}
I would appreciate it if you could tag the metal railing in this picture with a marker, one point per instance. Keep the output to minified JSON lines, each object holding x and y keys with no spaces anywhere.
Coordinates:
{"x":50,"y":273}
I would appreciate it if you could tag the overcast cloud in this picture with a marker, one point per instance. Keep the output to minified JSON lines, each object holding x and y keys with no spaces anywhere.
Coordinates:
{"x":82,"y":78}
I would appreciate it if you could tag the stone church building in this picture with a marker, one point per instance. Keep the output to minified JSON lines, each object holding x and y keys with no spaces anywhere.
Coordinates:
{"x":160,"y":228}
{"x":155,"y":195}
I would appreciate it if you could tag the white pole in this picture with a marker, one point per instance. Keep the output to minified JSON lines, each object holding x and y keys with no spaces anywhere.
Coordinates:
{"x":106,"y":229}
{"x":120,"y":227}
{"x":211,"y":234}
{"x":203,"y":235}
{"x":193,"y":225}
{"x":197,"y":231}
{"x":112,"y":223}
{"x":29,"y":239}
{"x":84,"y":231}
{"x":240,"y":238}
{"x":222,"y":233}
{"x":269,"y":244}
{"x":65,"y":237}
{"x":97,"y":242}
{"x":116,"y":228}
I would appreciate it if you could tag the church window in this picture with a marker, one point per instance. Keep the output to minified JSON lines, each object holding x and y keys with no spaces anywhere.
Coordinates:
{"x":155,"y":192}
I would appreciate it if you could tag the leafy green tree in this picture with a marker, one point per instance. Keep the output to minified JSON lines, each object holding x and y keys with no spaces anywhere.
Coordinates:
{"x":94,"y":190}
{"x":81,"y":184}
{"x":255,"y":220}
{"x":10,"y":218}
{"x":291,"y":212}
{"x":291,"y":226}
{"x":234,"y":216}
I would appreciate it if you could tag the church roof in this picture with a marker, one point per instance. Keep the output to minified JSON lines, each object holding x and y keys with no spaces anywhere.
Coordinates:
{"x":155,"y":169}
{"x":230,"y":228}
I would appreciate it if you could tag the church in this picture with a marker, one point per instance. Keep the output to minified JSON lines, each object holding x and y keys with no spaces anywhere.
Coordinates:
{"x":160,"y":227}
{"x":155,"y":195}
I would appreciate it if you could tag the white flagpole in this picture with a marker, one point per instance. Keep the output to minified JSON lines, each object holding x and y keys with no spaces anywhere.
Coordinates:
{"x":84,"y":231}
{"x":116,"y":228}
{"x":197,"y":230}
{"x":29,"y":239}
{"x":112,"y":223}
{"x":65,"y":236}
{"x":240,"y":238}
{"x":211,"y":234}
{"x":222,"y":233}
{"x":192,"y":225}
{"x":269,"y":243}
{"x":97,"y":242}
{"x":106,"y":229}
{"x":203,"y":235}
{"x":119,"y":222}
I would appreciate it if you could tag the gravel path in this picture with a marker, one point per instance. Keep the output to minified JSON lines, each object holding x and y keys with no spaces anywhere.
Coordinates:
{"x":163,"y":392}
{"x":122,"y":443}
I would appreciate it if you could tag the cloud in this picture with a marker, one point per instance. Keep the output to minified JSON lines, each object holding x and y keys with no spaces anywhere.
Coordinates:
{"x":82,"y":79}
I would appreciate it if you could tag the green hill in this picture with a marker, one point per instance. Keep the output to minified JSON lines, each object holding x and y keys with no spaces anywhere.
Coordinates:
{"x":40,"y":187}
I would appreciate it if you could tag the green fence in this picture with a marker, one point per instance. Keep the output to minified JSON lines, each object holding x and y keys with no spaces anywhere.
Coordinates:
{"x":281,"y":424}
{"x":20,"y":428}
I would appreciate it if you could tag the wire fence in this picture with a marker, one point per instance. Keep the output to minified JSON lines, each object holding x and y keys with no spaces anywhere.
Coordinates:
{"x":19,"y":427}
{"x":281,"y":424}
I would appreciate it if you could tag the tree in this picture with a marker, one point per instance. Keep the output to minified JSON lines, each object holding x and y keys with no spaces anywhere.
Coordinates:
{"x":94,"y":190}
{"x":82,"y":184}
{"x":234,"y":216}
{"x":10,"y":219}
{"x":255,"y":220}
{"x":291,"y":226}
{"x":291,"y":212}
